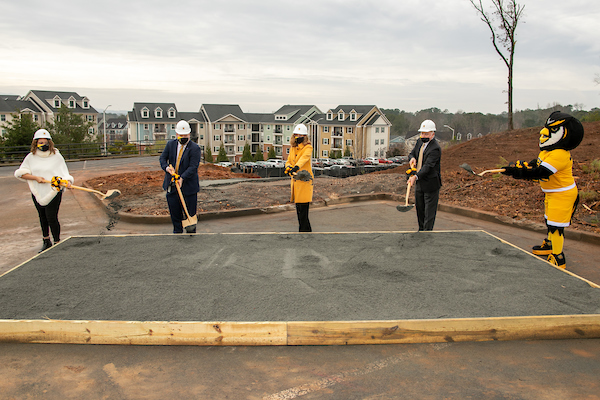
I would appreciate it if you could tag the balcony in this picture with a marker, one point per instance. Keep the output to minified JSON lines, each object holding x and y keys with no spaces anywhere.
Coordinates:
{"x":338,"y":132}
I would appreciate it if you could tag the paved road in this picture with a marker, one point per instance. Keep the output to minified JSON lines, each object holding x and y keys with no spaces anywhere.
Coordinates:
{"x":495,"y":370}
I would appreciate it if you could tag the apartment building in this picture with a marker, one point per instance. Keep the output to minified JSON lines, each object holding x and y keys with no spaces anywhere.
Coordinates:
{"x":363,"y":130}
{"x":44,"y":105}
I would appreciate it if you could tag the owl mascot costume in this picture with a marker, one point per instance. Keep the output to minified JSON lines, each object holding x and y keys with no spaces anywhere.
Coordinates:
{"x":553,"y":169}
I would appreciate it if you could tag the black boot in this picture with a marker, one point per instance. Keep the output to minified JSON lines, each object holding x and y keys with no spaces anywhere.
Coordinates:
{"x":47,"y":244}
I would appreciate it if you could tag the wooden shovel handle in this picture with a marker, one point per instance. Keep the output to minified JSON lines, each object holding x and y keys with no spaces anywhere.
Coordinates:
{"x":181,"y":198}
{"x":491,"y":170}
{"x":407,"y":193}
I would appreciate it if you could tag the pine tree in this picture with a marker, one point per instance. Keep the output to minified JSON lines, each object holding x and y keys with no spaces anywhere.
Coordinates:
{"x":69,"y":127}
{"x":271,"y":153}
{"x":247,"y":154}
{"x":208,"y":157}
{"x":259,"y":155}
{"x":222,"y":156}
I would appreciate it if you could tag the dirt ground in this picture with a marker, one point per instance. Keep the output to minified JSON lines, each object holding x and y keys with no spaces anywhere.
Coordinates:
{"x":521,"y":200}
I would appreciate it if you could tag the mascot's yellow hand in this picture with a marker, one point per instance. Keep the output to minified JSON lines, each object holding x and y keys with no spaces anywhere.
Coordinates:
{"x":411,"y":171}
{"x":175,"y":177}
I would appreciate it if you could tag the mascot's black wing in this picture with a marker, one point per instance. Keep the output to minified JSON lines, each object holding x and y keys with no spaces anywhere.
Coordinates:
{"x":527,"y":170}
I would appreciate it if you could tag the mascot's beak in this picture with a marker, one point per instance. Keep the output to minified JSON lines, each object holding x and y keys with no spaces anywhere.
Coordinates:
{"x":544,"y":135}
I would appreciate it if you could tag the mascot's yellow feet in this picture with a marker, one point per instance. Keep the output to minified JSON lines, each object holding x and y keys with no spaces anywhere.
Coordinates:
{"x":558,"y":260}
{"x":544,"y":250}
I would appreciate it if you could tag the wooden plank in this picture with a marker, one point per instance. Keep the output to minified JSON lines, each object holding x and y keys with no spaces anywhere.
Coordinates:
{"x":443,"y":330}
{"x":144,"y":333}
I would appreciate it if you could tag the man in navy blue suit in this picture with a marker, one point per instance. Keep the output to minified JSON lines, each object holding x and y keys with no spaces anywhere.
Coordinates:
{"x":425,"y":157}
{"x":181,"y":158}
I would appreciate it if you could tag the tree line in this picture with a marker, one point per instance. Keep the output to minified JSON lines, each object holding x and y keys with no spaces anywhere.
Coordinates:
{"x":475,"y":122}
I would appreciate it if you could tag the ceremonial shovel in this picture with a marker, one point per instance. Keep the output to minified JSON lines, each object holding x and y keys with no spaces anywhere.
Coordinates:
{"x":468,"y":168}
{"x":405,"y":207}
{"x":111,"y":194}
{"x":190,"y":223}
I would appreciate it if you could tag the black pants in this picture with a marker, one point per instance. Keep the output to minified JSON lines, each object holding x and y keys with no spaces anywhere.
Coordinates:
{"x":176,"y":209}
{"x":49,"y":216}
{"x":426,"y":204}
{"x":303,"y":222}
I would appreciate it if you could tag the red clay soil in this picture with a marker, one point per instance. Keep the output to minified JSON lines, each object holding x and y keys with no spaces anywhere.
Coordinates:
{"x":496,"y":193}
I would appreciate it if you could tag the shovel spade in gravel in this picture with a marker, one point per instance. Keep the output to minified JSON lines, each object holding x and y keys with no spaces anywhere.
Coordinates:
{"x":405,"y":207}
{"x":303,"y":176}
{"x":468,"y":168}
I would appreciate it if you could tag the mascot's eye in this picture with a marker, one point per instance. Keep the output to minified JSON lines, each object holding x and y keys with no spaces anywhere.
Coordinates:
{"x":554,"y":129}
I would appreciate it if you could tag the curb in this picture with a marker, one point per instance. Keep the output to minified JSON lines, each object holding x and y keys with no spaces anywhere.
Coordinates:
{"x":587,"y":237}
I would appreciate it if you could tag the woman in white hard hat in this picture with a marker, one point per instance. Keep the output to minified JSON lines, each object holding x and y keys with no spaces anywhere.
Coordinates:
{"x":41,"y":165}
{"x":299,"y":167}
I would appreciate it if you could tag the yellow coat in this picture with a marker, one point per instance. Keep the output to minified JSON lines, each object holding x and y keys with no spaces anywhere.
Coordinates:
{"x":301,"y":155}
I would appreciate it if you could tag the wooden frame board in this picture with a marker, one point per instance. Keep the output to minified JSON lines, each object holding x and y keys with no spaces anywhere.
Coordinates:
{"x":293,"y":333}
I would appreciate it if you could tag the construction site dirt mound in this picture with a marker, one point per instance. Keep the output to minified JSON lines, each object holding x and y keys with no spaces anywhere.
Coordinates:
{"x":520,"y":200}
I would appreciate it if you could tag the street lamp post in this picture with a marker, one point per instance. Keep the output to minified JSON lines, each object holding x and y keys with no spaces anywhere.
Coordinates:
{"x":104,"y":123}
{"x":452,"y":129}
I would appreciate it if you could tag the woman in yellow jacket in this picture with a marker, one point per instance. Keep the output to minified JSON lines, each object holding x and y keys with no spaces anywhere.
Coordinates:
{"x":299,"y":167}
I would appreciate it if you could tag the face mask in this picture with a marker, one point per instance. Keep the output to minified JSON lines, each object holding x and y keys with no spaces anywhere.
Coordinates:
{"x":424,"y":139}
{"x":43,"y":147}
{"x":299,"y":140}
{"x":183,"y":140}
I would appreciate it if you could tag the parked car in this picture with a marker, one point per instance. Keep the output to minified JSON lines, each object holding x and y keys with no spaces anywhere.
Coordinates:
{"x":384,"y":161}
{"x":276,"y":162}
{"x":317,"y":164}
{"x":265,"y":164}
{"x":373,"y":160}
{"x":225,"y":164}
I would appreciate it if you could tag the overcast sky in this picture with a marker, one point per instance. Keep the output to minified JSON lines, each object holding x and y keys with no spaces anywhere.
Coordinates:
{"x":408,"y":54}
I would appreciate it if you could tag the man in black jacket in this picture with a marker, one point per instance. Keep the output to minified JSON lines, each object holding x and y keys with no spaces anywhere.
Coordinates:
{"x":180,"y":159}
{"x":425,"y":157}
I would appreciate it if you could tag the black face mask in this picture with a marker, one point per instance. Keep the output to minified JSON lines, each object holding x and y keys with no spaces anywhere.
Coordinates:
{"x":299,"y":140}
{"x":43,"y":147}
{"x":183,"y":140}
{"x":424,"y":139}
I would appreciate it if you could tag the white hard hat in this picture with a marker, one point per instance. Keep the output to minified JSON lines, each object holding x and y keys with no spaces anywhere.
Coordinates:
{"x":427,"y":126}
{"x":42,"y":134}
{"x":301,"y":130}
{"x":183,"y":128}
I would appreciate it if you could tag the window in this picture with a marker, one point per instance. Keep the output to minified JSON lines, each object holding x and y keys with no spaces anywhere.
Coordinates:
{"x":57,"y":102}
{"x":268,"y":138}
{"x":146,"y":137}
{"x":382,"y":141}
{"x":216,"y":149}
{"x":90,"y":118}
{"x":146,"y":127}
{"x":241,"y":137}
{"x":287,"y":128}
{"x":2,"y":117}
{"x":241,"y":126}
{"x":172,"y":136}
{"x":352,"y":116}
{"x":325,"y":154}
{"x":71,"y":103}
{"x":240,"y":149}
{"x":326,"y":129}
{"x":201,"y":137}
{"x":86,"y":104}
{"x":376,"y":141}
{"x":217,"y":126}
{"x":158,"y":113}
{"x":91,"y":131}
{"x":377,"y":130}
{"x":287,"y":151}
{"x":325,"y":140}
{"x":35,"y":117}
{"x":281,"y":117}
{"x":348,"y":142}
{"x":171,"y":113}
{"x":172,"y":127}
{"x":217,"y":137}
{"x":383,"y":129}
{"x":329,"y":116}
{"x":145,"y":113}
{"x":349,"y":129}
{"x":341,"y":116}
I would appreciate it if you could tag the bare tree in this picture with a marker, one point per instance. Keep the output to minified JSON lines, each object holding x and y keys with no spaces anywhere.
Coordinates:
{"x":507,"y":14}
